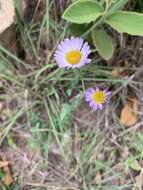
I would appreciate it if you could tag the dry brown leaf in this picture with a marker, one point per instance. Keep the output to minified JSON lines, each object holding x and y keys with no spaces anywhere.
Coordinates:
{"x":4,"y":163}
{"x":119,"y":72}
{"x":135,"y":105}
{"x":129,"y":115}
{"x":7,"y":13}
{"x":98,"y":178}
{"x":116,"y":73}
{"x":8,"y":180}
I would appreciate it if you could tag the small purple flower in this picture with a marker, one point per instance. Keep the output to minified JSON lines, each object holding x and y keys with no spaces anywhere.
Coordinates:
{"x":72,"y":53}
{"x":97,"y":97}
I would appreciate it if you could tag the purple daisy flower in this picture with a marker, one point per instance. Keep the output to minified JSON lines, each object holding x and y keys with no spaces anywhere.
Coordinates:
{"x":97,"y":97}
{"x":73,"y":53}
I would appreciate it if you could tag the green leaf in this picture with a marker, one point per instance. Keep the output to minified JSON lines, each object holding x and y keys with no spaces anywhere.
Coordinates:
{"x":83,"y":11}
{"x":133,"y":164}
{"x":128,"y":22}
{"x":117,"y":5}
{"x":78,"y":29}
{"x":103,"y":43}
{"x":65,"y":112}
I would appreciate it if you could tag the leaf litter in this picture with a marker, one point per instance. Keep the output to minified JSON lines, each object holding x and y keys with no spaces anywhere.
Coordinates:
{"x":129,"y":113}
{"x":85,"y":124}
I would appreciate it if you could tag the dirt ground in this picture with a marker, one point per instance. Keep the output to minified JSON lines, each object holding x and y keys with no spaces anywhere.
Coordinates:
{"x":96,"y":147}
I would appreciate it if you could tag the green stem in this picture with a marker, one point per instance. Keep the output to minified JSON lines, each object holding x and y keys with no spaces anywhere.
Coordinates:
{"x":99,"y":22}
{"x":82,"y":81}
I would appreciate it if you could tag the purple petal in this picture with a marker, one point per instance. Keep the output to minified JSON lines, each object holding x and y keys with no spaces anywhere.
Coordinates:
{"x":92,"y":103}
{"x":97,"y":89}
{"x":108,"y":93}
{"x":90,"y":90}
{"x":70,"y":44}
{"x":88,"y":97}
{"x":100,"y":106}
{"x":95,"y":107}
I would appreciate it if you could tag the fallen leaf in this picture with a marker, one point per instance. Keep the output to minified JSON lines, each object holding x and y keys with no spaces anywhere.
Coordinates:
{"x":4,"y":163}
{"x":7,"y":13}
{"x":98,"y":178}
{"x":116,"y":73}
{"x":135,"y":105}
{"x":129,"y":115}
{"x":8,"y":179}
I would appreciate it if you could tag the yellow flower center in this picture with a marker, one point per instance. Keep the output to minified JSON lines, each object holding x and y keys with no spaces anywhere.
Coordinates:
{"x":99,"y":97}
{"x":73,"y":57}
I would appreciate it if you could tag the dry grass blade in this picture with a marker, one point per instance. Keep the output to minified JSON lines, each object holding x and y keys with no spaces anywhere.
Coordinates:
{"x":49,"y":136}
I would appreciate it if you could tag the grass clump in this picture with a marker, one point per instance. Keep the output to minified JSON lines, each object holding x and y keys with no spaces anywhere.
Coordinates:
{"x":52,"y":137}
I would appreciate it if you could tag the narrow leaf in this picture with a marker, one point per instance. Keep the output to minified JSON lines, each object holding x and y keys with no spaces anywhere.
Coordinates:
{"x":83,"y":11}
{"x":128,"y":22}
{"x":103,"y":43}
